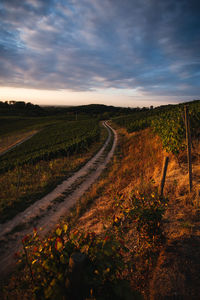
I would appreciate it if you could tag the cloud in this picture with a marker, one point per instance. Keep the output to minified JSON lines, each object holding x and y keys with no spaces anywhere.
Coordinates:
{"x":90,"y":44}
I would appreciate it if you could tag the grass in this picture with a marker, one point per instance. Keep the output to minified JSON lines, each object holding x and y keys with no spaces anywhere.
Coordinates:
{"x":129,"y":166}
{"x":187,"y":225}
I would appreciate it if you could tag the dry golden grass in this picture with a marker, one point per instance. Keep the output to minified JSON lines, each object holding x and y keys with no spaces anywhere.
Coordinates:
{"x":138,"y":164}
{"x":139,"y":154}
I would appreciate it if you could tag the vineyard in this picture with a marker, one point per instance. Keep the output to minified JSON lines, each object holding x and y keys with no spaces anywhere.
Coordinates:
{"x":33,"y":168}
{"x":167,"y":122}
{"x":55,"y":140}
{"x":12,"y":124}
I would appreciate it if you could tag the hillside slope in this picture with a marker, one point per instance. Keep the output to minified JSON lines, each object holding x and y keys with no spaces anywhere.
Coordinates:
{"x":138,"y":166}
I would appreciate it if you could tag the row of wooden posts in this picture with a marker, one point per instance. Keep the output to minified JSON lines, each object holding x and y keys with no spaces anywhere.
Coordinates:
{"x":166,"y":160}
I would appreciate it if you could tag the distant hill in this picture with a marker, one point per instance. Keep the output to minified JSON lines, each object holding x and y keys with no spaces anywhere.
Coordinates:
{"x":99,"y":111}
{"x":28,"y":109}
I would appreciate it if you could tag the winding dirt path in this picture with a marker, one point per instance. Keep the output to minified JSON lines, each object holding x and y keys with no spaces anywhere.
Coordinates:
{"x":46,"y":212}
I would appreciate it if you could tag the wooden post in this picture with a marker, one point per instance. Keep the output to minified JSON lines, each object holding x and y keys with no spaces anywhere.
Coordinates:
{"x":188,"y":141}
{"x":164,"y":172}
{"x":75,"y":281}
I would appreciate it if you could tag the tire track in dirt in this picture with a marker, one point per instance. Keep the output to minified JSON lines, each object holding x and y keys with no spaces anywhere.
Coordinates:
{"x":46,"y":212}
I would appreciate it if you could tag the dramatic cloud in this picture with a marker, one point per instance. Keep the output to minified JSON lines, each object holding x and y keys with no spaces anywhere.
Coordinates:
{"x":86,"y":45}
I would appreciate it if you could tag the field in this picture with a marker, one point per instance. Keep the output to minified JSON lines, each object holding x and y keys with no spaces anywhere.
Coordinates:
{"x":15,"y":128}
{"x":55,"y":140}
{"x":37,"y":165}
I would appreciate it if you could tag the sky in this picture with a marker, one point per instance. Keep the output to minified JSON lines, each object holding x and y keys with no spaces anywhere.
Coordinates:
{"x":115,"y":52}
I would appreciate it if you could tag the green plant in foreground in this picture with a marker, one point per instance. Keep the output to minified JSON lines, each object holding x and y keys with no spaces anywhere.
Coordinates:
{"x":170,"y":127}
{"x":48,"y":264}
{"x":145,"y":211}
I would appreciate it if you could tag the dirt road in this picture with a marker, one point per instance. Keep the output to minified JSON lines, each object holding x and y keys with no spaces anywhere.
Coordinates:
{"x":46,"y":212}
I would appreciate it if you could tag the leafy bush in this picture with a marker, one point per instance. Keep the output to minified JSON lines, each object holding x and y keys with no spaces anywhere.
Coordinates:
{"x":48,"y":263}
{"x":170,"y":127}
{"x":146,"y":212}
